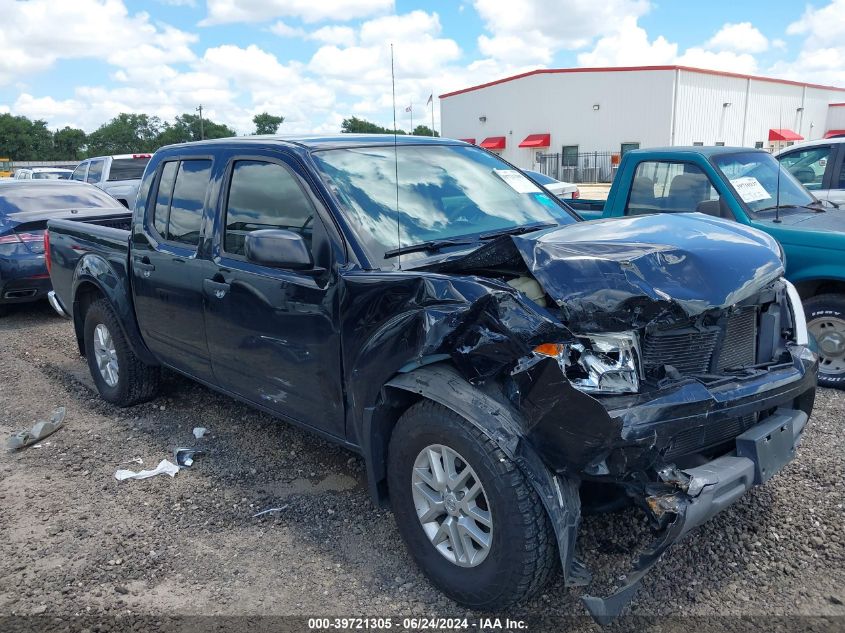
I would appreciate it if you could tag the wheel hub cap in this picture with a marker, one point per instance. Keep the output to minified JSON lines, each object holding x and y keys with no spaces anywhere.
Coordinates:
{"x":106,"y":355}
{"x":452,"y":506}
{"x":829,"y":332}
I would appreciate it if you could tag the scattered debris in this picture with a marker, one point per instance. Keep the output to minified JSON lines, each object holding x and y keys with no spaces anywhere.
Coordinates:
{"x":134,"y":460}
{"x":185,"y":456}
{"x":165,"y":467}
{"x":42,"y":429}
{"x":199,"y":432}
{"x":284,"y":507}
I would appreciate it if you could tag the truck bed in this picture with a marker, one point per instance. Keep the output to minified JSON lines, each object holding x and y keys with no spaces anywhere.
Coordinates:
{"x":105,"y":238}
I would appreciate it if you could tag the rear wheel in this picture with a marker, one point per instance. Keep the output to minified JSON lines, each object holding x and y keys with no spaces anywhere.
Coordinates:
{"x":826,"y":323}
{"x":120,"y":376}
{"x":470,"y":519}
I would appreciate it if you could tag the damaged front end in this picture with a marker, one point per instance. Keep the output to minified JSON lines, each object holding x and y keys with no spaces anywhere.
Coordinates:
{"x":676,"y":370}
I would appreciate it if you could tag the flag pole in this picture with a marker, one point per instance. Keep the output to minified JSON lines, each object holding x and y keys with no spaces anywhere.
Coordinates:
{"x":431,"y":100}
{"x":412,"y":116}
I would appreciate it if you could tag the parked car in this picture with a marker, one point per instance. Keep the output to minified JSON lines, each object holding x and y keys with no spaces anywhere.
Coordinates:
{"x":483,"y":349}
{"x":563,"y":190}
{"x":819,"y":166}
{"x":42,"y":173}
{"x":117,"y":175}
{"x":746,"y":186}
{"x":25,"y":207}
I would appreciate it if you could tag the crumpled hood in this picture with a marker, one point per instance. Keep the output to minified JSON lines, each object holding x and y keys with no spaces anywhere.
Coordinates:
{"x":618,"y":273}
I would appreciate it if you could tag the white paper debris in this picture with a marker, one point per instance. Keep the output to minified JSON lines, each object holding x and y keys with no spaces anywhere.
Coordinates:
{"x":199,"y":432}
{"x":517,"y":181}
{"x":750,"y":189}
{"x":165,"y":467}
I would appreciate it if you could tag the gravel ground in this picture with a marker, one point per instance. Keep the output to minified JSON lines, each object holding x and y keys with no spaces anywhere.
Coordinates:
{"x":78,"y":543}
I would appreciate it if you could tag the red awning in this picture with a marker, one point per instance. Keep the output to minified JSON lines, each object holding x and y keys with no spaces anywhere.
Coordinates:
{"x":468,"y":140}
{"x":537,"y":140}
{"x":784,"y":135}
{"x":493,"y":142}
{"x":834,"y":133}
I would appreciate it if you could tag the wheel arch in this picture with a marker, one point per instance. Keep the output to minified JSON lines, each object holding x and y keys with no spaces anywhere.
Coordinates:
{"x":442,"y":383}
{"x":808,"y":288}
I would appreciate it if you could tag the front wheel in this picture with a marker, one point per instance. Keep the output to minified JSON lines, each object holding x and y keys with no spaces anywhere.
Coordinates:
{"x":826,"y":323}
{"x":120,"y":376}
{"x":470,"y":519}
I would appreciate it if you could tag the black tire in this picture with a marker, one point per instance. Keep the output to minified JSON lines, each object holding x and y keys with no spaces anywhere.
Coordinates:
{"x":523,"y":550}
{"x":136,"y":382}
{"x":818,"y":309}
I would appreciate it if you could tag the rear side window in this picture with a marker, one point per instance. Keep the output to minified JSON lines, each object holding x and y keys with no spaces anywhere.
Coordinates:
{"x":127,"y":168}
{"x":95,"y":171}
{"x":264,"y":196}
{"x":180,"y":202}
{"x":79,"y":172}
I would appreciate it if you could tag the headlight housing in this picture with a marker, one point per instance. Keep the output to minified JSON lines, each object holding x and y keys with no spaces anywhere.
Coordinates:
{"x":599,"y":363}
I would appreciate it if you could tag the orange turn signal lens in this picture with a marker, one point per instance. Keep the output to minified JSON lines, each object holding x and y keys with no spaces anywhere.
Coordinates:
{"x":549,"y":349}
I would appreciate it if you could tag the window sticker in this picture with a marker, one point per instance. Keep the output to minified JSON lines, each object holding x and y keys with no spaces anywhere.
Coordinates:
{"x":517,"y":181}
{"x":750,"y":189}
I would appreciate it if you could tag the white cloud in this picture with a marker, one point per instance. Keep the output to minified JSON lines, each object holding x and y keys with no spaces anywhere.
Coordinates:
{"x":340,"y":35}
{"x":37,"y":33}
{"x":282,"y":29}
{"x":822,"y":55}
{"x":629,"y":46}
{"x":536,"y":29}
{"x":228,"y":11}
{"x":739,"y":37}
{"x":729,"y":61}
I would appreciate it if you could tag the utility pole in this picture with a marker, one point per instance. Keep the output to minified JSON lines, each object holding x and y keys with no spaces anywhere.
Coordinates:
{"x":202,"y":131}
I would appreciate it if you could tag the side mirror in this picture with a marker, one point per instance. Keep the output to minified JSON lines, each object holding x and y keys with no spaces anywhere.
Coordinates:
{"x":277,"y":248}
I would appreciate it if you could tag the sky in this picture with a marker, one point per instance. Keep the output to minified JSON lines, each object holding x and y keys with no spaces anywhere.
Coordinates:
{"x":317,"y":62}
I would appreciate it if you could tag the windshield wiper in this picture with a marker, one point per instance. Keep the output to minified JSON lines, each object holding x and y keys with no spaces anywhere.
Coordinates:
{"x":779,"y":206}
{"x":430,"y":246}
{"x":517,"y":230}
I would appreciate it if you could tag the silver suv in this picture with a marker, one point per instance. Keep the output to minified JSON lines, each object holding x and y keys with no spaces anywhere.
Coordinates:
{"x":819,"y":166}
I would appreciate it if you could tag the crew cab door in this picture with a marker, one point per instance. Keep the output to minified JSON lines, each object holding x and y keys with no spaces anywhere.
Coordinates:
{"x":272,"y":332}
{"x":167,"y":276}
{"x":815,"y":167}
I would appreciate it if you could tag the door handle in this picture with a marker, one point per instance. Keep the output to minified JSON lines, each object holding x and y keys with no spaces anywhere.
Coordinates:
{"x":143,"y":264}
{"x":215,"y":289}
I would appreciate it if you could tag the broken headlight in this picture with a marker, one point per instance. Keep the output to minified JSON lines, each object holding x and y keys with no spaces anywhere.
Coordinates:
{"x":599,"y":363}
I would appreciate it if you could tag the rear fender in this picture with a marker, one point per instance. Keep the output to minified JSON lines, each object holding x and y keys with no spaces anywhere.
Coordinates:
{"x":444,"y":385}
{"x":94,"y":274}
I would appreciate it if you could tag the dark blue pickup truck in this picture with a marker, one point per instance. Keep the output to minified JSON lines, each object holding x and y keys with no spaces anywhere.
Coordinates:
{"x":495,"y":360}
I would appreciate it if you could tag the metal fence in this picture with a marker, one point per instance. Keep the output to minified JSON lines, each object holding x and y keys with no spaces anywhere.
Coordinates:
{"x":580,"y":167}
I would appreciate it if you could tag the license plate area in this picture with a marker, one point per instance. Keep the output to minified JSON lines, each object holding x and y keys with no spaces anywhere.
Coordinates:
{"x":770,"y":445}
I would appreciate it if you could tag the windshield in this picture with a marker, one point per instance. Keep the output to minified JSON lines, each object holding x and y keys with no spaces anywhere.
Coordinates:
{"x":31,"y":196}
{"x":127,"y":168}
{"x":445,"y":191}
{"x":754,"y":176}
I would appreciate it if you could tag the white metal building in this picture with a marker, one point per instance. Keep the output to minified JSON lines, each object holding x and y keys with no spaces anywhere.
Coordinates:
{"x":575,"y":111}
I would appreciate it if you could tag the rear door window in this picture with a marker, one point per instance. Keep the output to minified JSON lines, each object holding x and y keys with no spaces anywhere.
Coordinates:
{"x":264,"y":195}
{"x":180,"y":200}
{"x":95,"y":171}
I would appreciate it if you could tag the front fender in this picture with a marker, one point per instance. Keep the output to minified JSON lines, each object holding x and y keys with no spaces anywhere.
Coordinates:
{"x":501,"y":423}
{"x":95,"y":273}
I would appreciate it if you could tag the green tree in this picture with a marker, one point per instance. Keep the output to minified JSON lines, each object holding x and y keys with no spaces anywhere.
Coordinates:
{"x":23,"y":139}
{"x":424,"y":130}
{"x":186,"y":128}
{"x":125,"y":134}
{"x":362,"y":126}
{"x":68,"y":144}
{"x":266,"y":123}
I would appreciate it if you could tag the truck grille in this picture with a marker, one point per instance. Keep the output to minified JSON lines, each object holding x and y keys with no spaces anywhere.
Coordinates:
{"x":691,"y":350}
{"x":712,"y":434}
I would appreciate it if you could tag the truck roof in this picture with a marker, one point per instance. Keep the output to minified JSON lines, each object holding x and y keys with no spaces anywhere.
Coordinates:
{"x":704,"y":150}
{"x":327,"y":141}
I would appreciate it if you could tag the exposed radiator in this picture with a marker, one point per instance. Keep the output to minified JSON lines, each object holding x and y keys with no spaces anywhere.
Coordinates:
{"x":739,"y":347}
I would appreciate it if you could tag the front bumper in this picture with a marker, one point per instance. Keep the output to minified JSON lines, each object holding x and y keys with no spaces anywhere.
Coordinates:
{"x":680,"y":499}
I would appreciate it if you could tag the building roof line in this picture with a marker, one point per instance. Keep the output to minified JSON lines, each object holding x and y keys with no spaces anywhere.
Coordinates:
{"x":606,"y":69}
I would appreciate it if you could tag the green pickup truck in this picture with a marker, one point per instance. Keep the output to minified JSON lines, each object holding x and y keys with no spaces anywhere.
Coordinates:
{"x":747,"y":186}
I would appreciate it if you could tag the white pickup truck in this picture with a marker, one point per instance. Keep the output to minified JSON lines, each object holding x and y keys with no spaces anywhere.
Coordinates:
{"x":117,"y":175}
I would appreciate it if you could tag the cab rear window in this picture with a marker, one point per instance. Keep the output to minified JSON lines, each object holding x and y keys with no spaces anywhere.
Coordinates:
{"x":127,"y":168}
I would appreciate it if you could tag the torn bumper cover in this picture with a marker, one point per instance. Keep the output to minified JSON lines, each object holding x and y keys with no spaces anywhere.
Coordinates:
{"x":632,"y":442}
